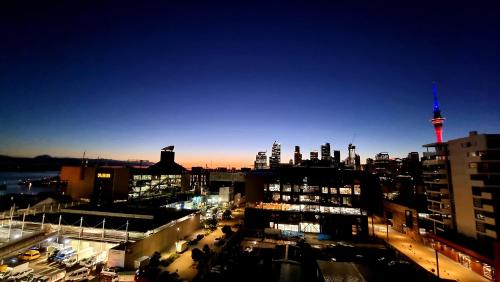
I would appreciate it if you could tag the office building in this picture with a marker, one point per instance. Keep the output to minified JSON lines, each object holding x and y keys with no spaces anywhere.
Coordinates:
{"x":260,"y":161}
{"x":297,"y":156}
{"x":314,"y":156}
{"x":164,"y":177}
{"x":275,"y":159}
{"x":307,"y":200}
{"x":336,"y":157}
{"x":325,"y":152}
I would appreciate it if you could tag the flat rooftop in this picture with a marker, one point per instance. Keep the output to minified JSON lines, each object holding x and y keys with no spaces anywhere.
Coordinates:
{"x":141,"y":219}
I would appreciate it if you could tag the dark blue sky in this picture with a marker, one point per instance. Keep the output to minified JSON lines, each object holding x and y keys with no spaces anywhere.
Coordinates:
{"x":223,"y":80}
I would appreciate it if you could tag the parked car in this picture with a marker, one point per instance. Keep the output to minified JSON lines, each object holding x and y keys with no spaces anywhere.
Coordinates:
{"x":29,"y":255}
{"x":78,"y":275}
{"x":20,"y":274}
{"x":88,"y":262}
{"x":70,"y":261}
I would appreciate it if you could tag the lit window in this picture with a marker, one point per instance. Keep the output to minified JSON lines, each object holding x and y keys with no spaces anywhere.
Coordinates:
{"x":325,"y":190}
{"x":274,"y":187}
{"x":345,"y":191}
{"x":333,"y":190}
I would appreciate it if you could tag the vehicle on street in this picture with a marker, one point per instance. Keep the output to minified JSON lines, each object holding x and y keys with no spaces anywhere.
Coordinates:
{"x":78,"y":275}
{"x":18,"y":275}
{"x":29,"y":255}
{"x":181,"y":246}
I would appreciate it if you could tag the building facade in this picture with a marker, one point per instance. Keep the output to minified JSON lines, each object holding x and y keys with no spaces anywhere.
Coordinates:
{"x":260,"y":161}
{"x":275,"y":159}
{"x":325,"y":152}
{"x":308,"y":200}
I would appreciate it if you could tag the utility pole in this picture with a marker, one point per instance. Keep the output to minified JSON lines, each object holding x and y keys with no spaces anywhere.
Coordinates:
{"x":103,"y":222}
{"x":59,"y":228}
{"x":22,"y":225}
{"x":80,"y":233}
{"x":437,"y":261}
{"x":10,"y":223}
{"x":126,"y":232}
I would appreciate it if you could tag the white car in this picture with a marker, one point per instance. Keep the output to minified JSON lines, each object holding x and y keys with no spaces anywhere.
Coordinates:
{"x":88,"y":262}
{"x":78,"y":275}
{"x":21,"y":274}
{"x":70,"y":262}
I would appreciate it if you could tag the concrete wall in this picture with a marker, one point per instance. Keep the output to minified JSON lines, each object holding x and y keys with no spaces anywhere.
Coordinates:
{"x":163,"y":240}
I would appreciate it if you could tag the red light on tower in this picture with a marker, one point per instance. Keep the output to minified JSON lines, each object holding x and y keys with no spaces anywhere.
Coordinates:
{"x":438,"y":120}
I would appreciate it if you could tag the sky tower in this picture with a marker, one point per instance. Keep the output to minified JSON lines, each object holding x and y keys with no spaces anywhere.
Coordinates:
{"x":437,"y":120}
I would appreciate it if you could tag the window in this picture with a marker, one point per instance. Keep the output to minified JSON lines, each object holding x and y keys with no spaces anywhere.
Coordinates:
{"x":346,"y":201}
{"x":357,"y":190}
{"x":276,"y":197}
{"x":324,"y":190}
{"x":274,"y":187}
{"x":345,"y":191}
{"x":333,"y":190}
{"x":287,"y":188}
{"x":286,"y":198}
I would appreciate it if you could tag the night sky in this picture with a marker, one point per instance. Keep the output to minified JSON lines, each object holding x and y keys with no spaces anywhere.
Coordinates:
{"x":223,"y":80}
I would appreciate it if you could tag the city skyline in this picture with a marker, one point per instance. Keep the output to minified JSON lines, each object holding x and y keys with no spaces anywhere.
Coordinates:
{"x":222,"y":81}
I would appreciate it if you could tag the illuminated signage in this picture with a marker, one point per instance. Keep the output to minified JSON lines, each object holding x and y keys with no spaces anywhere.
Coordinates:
{"x":103,"y":175}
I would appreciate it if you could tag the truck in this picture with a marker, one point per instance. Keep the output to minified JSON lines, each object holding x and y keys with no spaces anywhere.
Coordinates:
{"x":181,"y":246}
{"x":50,"y":275}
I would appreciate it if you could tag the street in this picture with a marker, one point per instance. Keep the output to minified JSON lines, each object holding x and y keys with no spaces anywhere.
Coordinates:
{"x":426,"y":256}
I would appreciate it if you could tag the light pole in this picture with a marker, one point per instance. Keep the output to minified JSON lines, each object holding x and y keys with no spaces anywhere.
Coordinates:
{"x":437,"y":260}
{"x":178,"y":229}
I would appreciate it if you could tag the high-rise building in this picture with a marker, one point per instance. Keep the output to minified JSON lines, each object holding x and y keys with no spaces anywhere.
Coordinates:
{"x":351,"y":160}
{"x":275,"y":159}
{"x":260,"y":160}
{"x":297,"y":156}
{"x":336,"y":157}
{"x":438,"y":189}
{"x":475,"y":179}
{"x":437,"y":119}
{"x":314,"y":156}
{"x":325,"y":152}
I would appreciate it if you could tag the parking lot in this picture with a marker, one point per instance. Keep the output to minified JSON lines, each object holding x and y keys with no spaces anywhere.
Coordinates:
{"x":51,"y":258}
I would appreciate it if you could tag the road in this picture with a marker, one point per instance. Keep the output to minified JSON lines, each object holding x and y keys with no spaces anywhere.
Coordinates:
{"x":426,"y":256}
{"x":184,"y":263}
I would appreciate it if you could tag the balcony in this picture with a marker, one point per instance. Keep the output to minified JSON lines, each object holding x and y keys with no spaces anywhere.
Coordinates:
{"x":488,"y":208}
{"x":484,"y":195}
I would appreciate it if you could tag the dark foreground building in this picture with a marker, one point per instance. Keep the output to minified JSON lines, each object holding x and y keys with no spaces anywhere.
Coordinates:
{"x":308,"y":200}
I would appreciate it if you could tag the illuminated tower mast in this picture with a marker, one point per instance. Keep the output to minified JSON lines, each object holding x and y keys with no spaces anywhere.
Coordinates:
{"x":438,"y":120}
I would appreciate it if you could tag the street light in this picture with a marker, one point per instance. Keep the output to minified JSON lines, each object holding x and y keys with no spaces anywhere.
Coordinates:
{"x":178,"y":233}
{"x":437,"y":259}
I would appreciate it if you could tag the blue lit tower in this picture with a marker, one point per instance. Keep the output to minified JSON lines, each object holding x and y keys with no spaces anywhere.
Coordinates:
{"x":437,"y":120}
